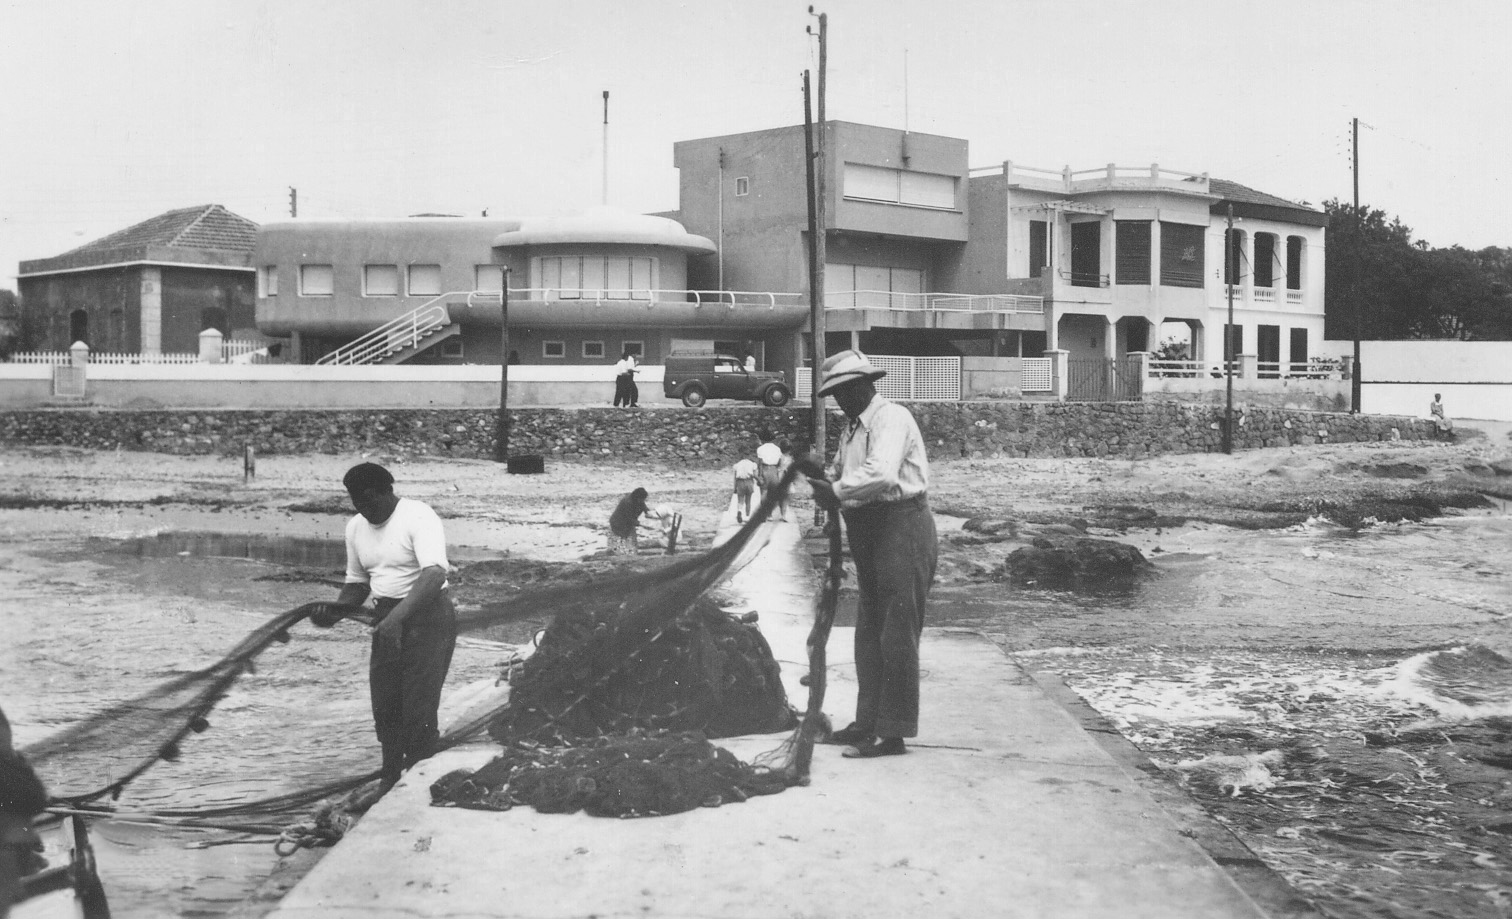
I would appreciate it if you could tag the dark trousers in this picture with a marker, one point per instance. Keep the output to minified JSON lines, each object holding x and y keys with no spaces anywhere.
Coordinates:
{"x":895,"y":549}
{"x":405,"y":684}
{"x":625,"y":390}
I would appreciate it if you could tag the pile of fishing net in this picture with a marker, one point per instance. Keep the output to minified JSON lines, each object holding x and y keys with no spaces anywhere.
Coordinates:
{"x":593,"y":674}
{"x":634,"y":774}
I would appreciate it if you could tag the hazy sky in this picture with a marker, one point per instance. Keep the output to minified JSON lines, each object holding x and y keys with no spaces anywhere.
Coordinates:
{"x":113,"y":112}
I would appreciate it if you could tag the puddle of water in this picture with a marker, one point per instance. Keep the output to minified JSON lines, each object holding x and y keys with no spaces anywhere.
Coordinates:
{"x":278,"y":550}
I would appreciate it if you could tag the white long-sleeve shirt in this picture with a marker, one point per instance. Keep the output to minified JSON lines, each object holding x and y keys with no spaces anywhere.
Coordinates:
{"x":880,"y":457}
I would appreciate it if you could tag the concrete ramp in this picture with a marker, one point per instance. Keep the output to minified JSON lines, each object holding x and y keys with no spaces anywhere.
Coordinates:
{"x":1003,"y":807}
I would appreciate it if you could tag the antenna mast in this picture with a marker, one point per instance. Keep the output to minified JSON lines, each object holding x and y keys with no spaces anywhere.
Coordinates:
{"x":606,"y":148}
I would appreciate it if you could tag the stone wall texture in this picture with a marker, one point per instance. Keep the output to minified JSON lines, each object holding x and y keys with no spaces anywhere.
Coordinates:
{"x":708,"y":436}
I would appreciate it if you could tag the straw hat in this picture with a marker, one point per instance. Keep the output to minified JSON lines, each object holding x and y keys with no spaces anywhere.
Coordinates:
{"x":845,"y":367}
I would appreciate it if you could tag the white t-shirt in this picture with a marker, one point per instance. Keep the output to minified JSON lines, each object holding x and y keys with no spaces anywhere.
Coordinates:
{"x":389,"y":558}
{"x":769,"y":454}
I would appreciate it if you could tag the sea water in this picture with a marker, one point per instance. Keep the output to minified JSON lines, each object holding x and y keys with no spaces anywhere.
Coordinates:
{"x":1272,"y":672}
{"x":1340,"y":698}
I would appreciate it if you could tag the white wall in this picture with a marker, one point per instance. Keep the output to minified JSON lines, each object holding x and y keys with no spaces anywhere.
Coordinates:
{"x":271,"y":386}
{"x":1474,"y":377}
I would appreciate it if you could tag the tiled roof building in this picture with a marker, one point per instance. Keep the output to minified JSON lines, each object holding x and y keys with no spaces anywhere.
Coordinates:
{"x":150,"y":288}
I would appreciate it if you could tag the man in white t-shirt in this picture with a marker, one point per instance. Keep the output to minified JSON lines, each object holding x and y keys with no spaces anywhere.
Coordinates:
{"x":396,"y":553}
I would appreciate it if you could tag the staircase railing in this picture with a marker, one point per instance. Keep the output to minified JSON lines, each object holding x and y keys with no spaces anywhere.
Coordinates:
{"x":396,"y":334}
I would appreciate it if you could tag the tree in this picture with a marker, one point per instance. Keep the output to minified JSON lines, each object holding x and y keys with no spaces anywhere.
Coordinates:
{"x":1399,"y":288}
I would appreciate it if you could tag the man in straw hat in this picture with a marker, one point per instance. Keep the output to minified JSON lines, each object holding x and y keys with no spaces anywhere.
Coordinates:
{"x":878,"y":481}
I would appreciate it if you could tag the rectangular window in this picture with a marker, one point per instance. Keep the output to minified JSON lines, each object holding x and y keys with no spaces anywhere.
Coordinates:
{"x":906,"y":280}
{"x":593,"y":277}
{"x":1293,"y":270}
{"x":926,"y":189}
{"x":572,"y":278}
{"x":641,"y":283}
{"x":550,"y":280}
{"x":1233,"y":260}
{"x":1131,"y":251}
{"x":1039,"y":246}
{"x":424,"y":280}
{"x":839,"y":285}
{"x":593,"y":350}
{"x":898,"y":186}
{"x":1265,"y":260}
{"x":316,"y":281}
{"x":1235,"y":335}
{"x":742,"y":187}
{"x":554,"y":349}
{"x":267,"y":281}
{"x":1086,"y":254}
{"x":1298,"y":345}
{"x":452,"y":347}
{"x":872,"y":182}
{"x":488,"y":279}
{"x":617,"y":278}
{"x":1182,"y":258}
{"x":637,"y":348}
{"x":380,"y":280}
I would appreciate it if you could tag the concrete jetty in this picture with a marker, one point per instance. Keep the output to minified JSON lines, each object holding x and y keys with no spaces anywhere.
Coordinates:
{"x":1005,"y":806}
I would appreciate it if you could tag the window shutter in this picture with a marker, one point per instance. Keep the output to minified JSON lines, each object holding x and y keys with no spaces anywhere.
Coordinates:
{"x":1181,"y":254}
{"x":1131,"y":245}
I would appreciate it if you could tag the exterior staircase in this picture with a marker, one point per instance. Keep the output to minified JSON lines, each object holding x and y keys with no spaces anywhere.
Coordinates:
{"x":400,"y":339}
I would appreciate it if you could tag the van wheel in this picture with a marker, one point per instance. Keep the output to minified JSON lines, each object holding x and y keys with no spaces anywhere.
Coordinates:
{"x":776,"y":395}
{"x":694,"y":396}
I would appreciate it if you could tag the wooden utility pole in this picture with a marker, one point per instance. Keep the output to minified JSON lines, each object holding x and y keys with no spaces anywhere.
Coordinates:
{"x":816,"y":273}
{"x":817,"y":224}
{"x":1231,"y":275}
{"x":501,"y":428}
{"x":1354,"y":375}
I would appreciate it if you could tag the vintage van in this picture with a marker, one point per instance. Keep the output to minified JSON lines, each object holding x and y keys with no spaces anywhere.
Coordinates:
{"x":697,"y":376}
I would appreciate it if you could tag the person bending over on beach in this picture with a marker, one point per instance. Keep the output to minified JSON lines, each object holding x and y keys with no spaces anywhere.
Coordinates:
{"x":771,"y":463}
{"x":624,"y":523}
{"x":396,"y":553}
{"x":879,"y":482}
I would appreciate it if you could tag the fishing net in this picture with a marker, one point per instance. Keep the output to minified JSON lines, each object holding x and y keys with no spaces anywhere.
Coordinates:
{"x":611,"y":714}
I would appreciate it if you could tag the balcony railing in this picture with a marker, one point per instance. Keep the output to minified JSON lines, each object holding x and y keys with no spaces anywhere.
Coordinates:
{"x":1105,"y":178}
{"x":1315,"y":369}
{"x":729,"y":298}
{"x":938,"y":302}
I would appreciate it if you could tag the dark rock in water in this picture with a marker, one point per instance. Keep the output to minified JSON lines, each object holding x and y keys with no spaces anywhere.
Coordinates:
{"x":1127,"y":512}
{"x":1396,"y":470}
{"x":1073,"y":559}
{"x":991,"y":526}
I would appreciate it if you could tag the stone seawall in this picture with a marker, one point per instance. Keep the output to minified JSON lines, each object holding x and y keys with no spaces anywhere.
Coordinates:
{"x":710,"y":436}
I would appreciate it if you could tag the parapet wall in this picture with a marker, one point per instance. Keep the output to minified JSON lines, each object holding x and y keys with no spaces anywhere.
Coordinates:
{"x":708,"y":436}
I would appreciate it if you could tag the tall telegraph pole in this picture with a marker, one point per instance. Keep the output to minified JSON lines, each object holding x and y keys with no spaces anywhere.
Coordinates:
{"x":1231,"y":269}
{"x":501,"y":428}
{"x":1354,"y":376}
{"x":817,"y":230}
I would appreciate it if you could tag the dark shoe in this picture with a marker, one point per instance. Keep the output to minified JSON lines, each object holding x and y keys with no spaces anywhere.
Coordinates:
{"x":851,"y":734}
{"x":886,"y":746}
